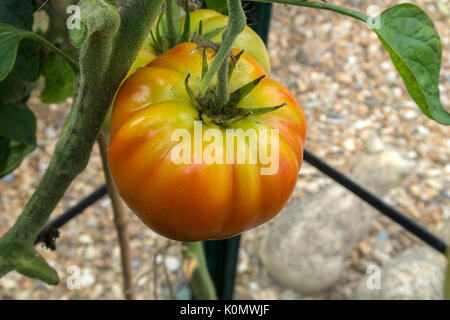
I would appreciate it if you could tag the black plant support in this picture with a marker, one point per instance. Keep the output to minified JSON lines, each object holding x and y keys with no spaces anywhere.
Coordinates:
{"x":222,"y":255}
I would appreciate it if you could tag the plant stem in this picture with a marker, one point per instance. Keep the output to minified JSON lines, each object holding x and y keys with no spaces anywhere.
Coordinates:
{"x":172,"y":23}
{"x":64,"y":55}
{"x":120,"y":221}
{"x":236,"y":24}
{"x":201,"y":282}
{"x":105,"y":57}
{"x":321,"y":5}
{"x":222,"y":94}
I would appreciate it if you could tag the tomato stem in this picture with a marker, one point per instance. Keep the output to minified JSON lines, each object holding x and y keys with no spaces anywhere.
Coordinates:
{"x":112,"y":43}
{"x":236,"y":24}
{"x":222,"y":95}
{"x":172,"y":23}
{"x":320,"y":5}
{"x":201,"y":282}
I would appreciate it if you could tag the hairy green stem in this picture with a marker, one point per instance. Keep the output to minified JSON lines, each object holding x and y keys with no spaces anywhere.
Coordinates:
{"x":321,"y":5}
{"x":172,"y":23}
{"x":105,"y":57}
{"x":236,"y":24}
{"x":222,"y":94}
{"x":201,"y":282}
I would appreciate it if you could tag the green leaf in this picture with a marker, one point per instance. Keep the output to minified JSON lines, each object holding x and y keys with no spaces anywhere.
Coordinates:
{"x":14,"y":90}
{"x":10,"y":38}
{"x":17,"y":123}
{"x":58,"y":79}
{"x":218,"y":5}
{"x":17,"y":135}
{"x":13,"y":156}
{"x":19,"y":14}
{"x":409,"y":36}
{"x":4,"y":150}
{"x":26,"y":66}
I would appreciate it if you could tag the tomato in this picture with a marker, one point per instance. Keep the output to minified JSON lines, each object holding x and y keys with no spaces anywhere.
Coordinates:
{"x":198,"y":201}
{"x":248,"y":40}
{"x":145,"y":55}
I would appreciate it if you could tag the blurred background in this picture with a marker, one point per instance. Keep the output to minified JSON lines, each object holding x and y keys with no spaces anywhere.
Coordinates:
{"x":326,"y":244}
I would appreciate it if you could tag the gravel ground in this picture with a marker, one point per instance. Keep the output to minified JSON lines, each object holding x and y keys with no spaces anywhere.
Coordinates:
{"x":349,"y":89}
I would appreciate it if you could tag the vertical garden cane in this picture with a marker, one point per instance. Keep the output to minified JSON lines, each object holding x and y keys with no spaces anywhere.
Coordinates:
{"x":222,"y":255}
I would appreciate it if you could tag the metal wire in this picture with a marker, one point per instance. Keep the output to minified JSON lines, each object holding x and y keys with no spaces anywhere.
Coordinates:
{"x":406,"y":222}
{"x":74,"y":211}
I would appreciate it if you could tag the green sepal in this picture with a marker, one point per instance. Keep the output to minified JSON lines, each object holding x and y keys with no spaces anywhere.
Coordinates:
{"x":233,"y":63}
{"x":204,"y":63}
{"x":190,"y":92}
{"x":187,"y":23}
{"x":243,"y":91}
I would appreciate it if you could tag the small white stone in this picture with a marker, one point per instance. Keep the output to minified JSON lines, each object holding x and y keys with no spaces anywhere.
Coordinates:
{"x":409,"y":115}
{"x":374,"y":144}
{"x":349,"y":144}
{"x":172,"y":263}
{"x":85,"y":239}
{"x":91,"y":253}
{"x":50,"y":133}
{"x":253,"y":286}
{"x":422,"y":130}
{"x":361,"y":124}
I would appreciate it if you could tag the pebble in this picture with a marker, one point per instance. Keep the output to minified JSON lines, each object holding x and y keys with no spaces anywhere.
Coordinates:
{"x":349,"y":144}
{"x":92,"y":253}
{"x":85,"y":239}
{"x":253,"y":286}
{"x":8,"y":178}
{"x":172,"y":263}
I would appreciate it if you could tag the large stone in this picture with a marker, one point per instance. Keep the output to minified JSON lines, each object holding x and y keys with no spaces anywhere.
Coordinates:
{"x":304,"y":248}
{"x":417,"y":273}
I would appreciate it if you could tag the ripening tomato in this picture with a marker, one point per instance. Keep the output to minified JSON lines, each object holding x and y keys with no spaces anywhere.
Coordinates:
{"x":202,"y":199}
{"x":248,"y":40}
{"x":146,"y":54}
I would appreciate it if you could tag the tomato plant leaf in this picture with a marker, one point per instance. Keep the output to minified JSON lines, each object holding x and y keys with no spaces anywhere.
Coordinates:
{"x":10,"y":38}
{"x":19,"y":14}
{"x":13,"y":156}
{"x":18,"y":132}
{"x":13,"y":90}
{"x":409,"y":36}
{"x":58,"y":79}
{"x":17,"y":123}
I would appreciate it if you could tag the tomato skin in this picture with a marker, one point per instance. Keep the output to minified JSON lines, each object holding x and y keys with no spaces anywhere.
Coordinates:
{"x":194,"y":202}
{"x":145,"y":55}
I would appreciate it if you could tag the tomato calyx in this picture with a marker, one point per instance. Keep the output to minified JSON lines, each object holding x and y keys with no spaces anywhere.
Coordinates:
{"x":211,"y":112}
{"x":159,"y":34}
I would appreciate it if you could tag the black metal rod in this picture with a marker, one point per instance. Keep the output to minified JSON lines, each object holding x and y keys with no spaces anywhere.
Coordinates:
{"x":72,"y":212}
{"x":406,"y":222}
